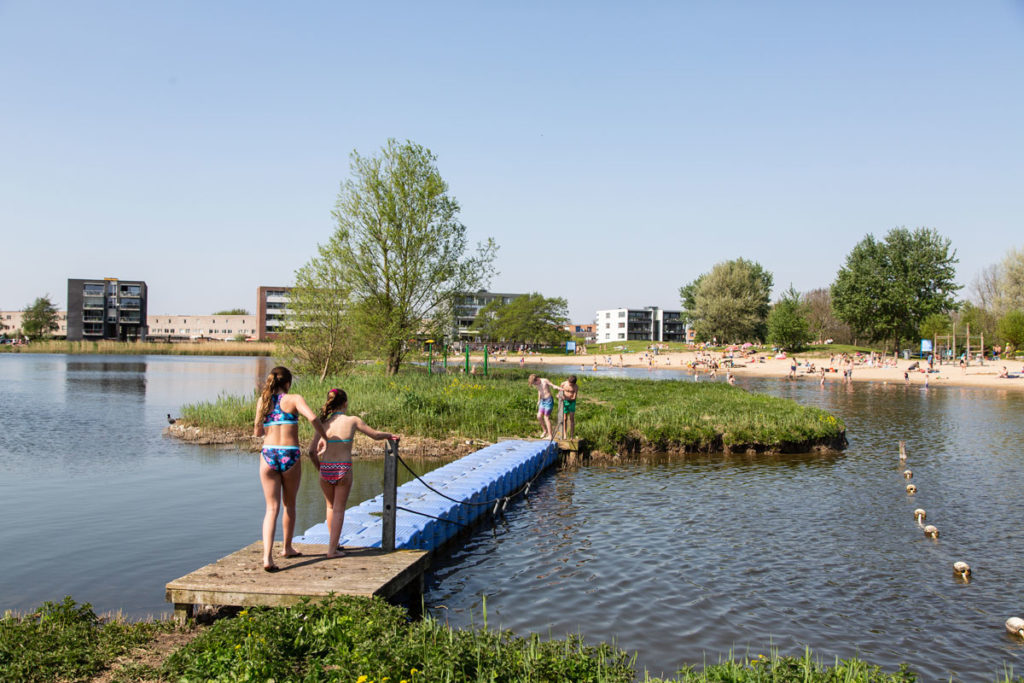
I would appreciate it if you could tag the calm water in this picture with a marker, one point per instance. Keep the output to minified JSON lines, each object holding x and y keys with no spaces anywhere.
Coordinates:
{"x":99,"y":504}
{"x":672,"y":559}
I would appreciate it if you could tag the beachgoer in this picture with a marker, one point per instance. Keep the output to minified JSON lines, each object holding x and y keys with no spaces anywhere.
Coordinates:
{"x":277,"y":421}
{"x":336,"y":462}
{"x":730,"y":378}
{"x":906,"y":378}
{"x":545,"y":403}
{"x":823,"y":375}
{"x":1005,"y":374}
{"x":567,"y":392}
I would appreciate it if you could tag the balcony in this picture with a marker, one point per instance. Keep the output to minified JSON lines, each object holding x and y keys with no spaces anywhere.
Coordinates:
{"x":130,"y":290}
{"x":130,"y":304}
{"x":94,"y":302}
{"x":94,"y":290}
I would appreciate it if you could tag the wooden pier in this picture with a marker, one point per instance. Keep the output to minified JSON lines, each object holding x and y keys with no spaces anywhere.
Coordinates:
{"x":239,"y":579}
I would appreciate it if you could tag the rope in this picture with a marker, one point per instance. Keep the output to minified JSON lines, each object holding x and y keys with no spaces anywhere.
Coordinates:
{"x":525,"y":488}
{"x":424,"y":514}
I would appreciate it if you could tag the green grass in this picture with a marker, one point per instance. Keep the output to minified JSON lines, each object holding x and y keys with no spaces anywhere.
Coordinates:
{"x":365,"y":640}
{"x":613,"y":415}
{"x":206,"y":348}
{"x":66,"y":641}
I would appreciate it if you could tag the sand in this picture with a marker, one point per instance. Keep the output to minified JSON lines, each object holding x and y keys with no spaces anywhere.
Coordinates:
{"x":974,"y":375}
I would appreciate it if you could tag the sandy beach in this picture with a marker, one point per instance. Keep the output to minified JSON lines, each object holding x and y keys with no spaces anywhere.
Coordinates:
{"x":974,"y":375}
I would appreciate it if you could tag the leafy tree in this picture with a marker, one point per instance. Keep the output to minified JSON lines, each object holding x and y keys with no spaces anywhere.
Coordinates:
{"x":1010,"y":295}
{"x":822,"y":321}
{"x":40,"y":318}
{"x":730,"y":303}
{"x":886,"y":289}
{"x":1011,"y":328}
{"x":979,"y":320}
{"x":233,"y":311}
{"x":935,"y":325}
{"x":318,"y":335}
{"x":530,"y":318}
{"x":787,"y":322}
{"x":402,"y":249}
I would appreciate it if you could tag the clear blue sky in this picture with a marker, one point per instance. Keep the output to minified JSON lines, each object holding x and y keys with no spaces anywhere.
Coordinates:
{"x":615,"y":151}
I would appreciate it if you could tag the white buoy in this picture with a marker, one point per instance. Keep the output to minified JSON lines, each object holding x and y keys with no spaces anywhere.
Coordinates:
{"x":1015,"y":625}
{"x":911,"y":489}
{"x":962,"y":569}
{"x":907,"y":474}
{"x":931,"y":531}
{"x":919,"y":515}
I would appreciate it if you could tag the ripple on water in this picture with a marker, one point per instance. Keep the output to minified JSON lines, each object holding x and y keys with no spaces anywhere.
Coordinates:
{"x":701,"y":555}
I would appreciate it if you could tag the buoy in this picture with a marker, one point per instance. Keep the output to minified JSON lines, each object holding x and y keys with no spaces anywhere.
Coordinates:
{"x":907,"y":474}
{"x":903,"y":450}
{"x":931,"y":531}
{"x":1015,"y":625}
{"x":962,"y":569}
{"x":919,"y":515}
{"x":911,"y":489}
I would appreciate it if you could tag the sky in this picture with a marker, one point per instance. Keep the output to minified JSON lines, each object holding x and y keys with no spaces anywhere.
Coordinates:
{"x":615,"y":151}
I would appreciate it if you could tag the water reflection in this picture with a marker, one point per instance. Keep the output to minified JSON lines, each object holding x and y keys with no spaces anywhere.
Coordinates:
{"x":93,"y":378}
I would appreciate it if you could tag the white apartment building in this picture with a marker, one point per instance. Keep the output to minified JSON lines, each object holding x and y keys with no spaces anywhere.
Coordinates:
{"x":639,"y":324}
{"x":161,"y":327}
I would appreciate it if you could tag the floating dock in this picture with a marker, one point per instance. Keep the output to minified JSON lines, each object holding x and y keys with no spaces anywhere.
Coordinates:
{"x":479,"y":484}
{"x":479,"y":480}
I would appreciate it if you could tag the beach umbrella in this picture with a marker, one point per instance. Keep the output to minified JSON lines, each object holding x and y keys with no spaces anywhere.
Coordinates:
{"x":747,"y":345}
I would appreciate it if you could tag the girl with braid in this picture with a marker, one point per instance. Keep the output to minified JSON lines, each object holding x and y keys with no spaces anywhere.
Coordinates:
{"x":336,"y":461}
{"x":277,"y":421}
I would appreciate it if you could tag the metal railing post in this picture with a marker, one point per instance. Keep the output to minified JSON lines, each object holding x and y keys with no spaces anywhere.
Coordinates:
{"x":387,"y":541}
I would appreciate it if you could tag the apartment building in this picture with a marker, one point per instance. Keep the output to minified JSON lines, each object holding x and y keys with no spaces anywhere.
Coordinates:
{"x":191,"y":327}
{"x":587,"y":332}
{"x":271,"y":311}
{"x":468,"y":306}
{"x":10,"y":323}
{"x":106,"y":308}
{"x":640,"y":324}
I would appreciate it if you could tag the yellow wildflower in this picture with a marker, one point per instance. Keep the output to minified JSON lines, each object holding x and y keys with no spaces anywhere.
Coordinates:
{"x":361,"y":679}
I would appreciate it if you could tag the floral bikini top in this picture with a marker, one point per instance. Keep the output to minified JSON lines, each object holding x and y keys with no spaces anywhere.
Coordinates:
{"x":276,"y":416}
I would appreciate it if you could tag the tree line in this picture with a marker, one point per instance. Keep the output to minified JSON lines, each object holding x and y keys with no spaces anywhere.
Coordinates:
{"x":888,"y":291}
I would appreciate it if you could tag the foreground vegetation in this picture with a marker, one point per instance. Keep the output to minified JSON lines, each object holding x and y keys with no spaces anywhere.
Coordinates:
{"x":206,"y":348}
{"x":361,"y":640}
{"x":613,"y":415}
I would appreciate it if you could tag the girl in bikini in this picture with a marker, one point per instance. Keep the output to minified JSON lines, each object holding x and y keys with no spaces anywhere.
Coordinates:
{"x":336,"y":461}
{"x":277,"y":421}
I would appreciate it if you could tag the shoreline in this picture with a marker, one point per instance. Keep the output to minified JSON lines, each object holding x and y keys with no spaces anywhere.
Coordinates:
{"x":977,"y":376}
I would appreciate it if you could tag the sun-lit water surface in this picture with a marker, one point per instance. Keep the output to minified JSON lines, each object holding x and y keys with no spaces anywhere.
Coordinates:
{"x":672,"y":559}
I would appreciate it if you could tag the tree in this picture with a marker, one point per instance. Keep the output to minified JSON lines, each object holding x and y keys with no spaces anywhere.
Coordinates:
{"x":979,"y":320}
{"x":886,"y":289}
{"x":1010,"y":294}
{"x":318,"y":334}
{"x":787,"y":322}
{"x":233,"y":311}
{"x":821,"y":320}
{"x":40,"y":318}
{"x":730,"y":303}
{"x":530,"y":318}
{"x":402,"y":249}
{"x":936,"y":324}
{"x":1011,"y":328}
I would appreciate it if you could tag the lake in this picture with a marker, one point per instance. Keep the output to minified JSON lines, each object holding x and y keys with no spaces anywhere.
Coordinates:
{"x":672,"y":558}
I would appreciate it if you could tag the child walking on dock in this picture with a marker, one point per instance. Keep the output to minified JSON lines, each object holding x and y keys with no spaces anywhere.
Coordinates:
{"x":545,"y":403}
{"x":277,"y":421}
{"x":336,"y":463}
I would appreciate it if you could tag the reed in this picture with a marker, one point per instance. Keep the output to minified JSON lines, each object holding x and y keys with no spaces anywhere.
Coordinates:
{"x":613,"y":415}
{"x":202,"y":348}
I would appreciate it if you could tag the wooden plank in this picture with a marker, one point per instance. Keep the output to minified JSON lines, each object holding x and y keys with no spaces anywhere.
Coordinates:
{"x":238,"y":579}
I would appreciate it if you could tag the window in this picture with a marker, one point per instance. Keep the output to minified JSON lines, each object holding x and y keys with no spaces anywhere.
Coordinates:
{"x":621,"y":335}
{"x":607,"y":314}
{"x":621,"y":325}
{"x":622,"y":314}
{"x":607,"y":325}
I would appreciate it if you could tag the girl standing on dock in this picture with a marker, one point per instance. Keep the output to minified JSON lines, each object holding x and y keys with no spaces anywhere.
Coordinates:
{"x":336,"y":462}
{"x":277,"y":420}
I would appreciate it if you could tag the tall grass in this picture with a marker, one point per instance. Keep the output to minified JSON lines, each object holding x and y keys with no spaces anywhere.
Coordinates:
{"x":613,"y":415}
{"x":204,"y":348}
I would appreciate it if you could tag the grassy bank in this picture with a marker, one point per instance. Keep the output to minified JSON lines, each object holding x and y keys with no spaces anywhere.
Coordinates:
{"x":359,"y":640}
{"x":205,"y":348}
{"x":613,"y":415}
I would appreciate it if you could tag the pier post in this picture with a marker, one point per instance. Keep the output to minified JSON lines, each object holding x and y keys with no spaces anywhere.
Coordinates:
{"x":387,"y":541}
